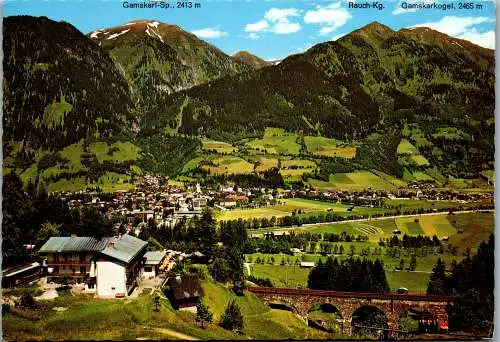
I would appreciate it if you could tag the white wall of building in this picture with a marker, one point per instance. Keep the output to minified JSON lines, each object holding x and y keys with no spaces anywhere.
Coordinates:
{"x":146,"y":274}
{"x":111,"y":279}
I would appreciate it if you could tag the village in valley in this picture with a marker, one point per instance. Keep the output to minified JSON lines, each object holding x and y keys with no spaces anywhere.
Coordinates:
{"x":173,"y":243}
{"x":337,"y":185}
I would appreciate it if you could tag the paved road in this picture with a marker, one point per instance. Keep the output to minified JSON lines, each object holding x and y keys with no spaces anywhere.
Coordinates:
{"x":372,"y":219}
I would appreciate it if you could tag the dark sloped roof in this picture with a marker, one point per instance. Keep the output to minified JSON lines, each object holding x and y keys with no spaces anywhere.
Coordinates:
{"x":125,"y":248}
{"x":19,"y":269}
{"x":73,"y":244}
{"x":154,"y":257}
{"x":187,"y":286}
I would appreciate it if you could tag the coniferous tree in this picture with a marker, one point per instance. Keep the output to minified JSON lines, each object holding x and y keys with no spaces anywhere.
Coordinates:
{"x":473,"y":281}
{"x":232,"y":319}
{"x":203,"y":313}
{"x":413,"y":262}
{"x":437,"y":280}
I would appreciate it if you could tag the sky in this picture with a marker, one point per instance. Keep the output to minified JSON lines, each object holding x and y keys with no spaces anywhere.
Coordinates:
{"x":270,"y":29}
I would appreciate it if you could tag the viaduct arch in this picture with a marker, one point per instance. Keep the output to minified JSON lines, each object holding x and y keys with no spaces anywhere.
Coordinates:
{"x":392,"y":305}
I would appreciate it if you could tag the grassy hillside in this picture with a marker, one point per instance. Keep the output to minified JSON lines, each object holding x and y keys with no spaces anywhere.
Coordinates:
{"x":399,"y":84}
{"x":108,"y":319}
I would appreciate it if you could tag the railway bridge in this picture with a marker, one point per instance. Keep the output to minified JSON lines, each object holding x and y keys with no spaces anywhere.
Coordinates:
{"x":391,"y":304}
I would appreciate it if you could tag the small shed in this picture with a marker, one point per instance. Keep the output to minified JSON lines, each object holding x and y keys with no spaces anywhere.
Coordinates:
{"x":153,"y":262}
{"x":185,"y":292}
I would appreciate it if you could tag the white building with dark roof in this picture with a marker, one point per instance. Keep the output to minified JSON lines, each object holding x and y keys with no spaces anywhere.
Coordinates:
{"x":109,"y":266}
{"x":154,"y":260}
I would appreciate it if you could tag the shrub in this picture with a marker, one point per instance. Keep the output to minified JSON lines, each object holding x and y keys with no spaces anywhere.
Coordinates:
{"x":232,"y":319}
{"x":260,"y":281}
{"x":27,"y":301}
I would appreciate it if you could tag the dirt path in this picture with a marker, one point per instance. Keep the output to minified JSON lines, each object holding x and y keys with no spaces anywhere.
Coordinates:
{"x":175,"y":334}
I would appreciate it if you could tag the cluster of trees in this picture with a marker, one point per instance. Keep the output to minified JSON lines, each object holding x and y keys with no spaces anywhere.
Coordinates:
{"x":50,"y":160}
{"x":411,"y":267}
{"x":31,"y":216}
{"x":352,"y":274}
{"x":472,"y":280}
{"x":197,"y":234}
{"x":166,"y":154}
{"x":409,"y":241}
{"x":377,"y":152}
{"x":311,"y":218}
{"x":271,"y":260}
{"x":200,"y":234}
{"x":311,"y":242}
{"x":295,"y":220}
{"x":228,"y":260}
{"x":260,"y":281}
{"x":344,"y":237}
{"x":231,"y":318}
{"x":97,"y":169}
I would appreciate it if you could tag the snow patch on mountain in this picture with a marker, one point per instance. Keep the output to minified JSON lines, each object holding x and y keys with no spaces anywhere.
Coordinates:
{"x":114,"y":35}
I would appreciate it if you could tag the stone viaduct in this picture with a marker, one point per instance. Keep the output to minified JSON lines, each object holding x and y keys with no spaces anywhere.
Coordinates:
{"x":391,"y":304}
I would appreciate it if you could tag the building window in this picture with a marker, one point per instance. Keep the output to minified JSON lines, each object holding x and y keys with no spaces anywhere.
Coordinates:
{"x":64,"y":268}
{"x":148,"y":269}
{"x":82,"y":269}
{"x":90,"y":286}
{"x":82,"y":256}
{"x":56,"y":257}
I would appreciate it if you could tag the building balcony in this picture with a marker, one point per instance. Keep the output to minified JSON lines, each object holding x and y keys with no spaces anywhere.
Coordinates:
{"x":68,"y":274}
{"x":68,"y":262}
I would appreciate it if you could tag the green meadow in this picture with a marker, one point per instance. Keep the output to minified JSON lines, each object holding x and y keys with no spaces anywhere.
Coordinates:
{"x":465,"y":231}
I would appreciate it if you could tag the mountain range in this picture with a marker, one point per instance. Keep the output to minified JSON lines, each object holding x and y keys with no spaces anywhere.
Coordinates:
{"x":158,"y":59}
{"x":250,"y":59}
{"x":157,"y":87}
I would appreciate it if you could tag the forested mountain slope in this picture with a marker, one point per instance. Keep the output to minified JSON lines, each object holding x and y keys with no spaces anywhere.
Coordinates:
{"x":158,"y":59}
{"x":421,"y":84}
{"x":59,"y":87}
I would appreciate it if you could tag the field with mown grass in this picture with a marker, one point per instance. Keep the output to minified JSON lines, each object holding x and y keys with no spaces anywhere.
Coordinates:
{"x":405,"y":147}
{"x":465,"y":231}
{"x":322,"y":146}
{"x":218,"y":146}
{"x":286,"y":207}
{"x":308,"y":207}
{"x":293,"y":276}
{"x":353,"y":181}
{"x":72,"y":167}
{"x":442,"y":225}
{"x":265,"y":163}
{"x":276,"y":141}
{"x":229,"y":165}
